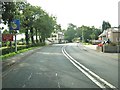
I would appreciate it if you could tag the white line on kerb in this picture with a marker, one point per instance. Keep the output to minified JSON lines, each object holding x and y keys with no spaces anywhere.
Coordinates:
{"x":58,"y":82}
{"x":79,"y":65}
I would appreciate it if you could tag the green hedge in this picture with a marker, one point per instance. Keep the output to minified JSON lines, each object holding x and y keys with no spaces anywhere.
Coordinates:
{"x":10,"y":50}
{"x":13,"y":53}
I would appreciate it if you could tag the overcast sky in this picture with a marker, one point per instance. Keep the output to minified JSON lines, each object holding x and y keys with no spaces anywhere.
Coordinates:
{"x":81,"y":12}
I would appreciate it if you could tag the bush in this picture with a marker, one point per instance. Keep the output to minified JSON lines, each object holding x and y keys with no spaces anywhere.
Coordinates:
{"x":21,"y":43}
{"x":112,"y":44}
{"x":2,"y":57}
{"x":10,"y":50}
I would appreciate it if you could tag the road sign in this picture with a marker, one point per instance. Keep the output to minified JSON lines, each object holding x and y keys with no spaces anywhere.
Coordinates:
{"x":15,"y":25}
{"x":7,"y":37}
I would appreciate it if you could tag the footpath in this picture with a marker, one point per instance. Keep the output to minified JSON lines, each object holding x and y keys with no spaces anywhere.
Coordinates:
{"x":6,"y":63}
{"x":112,"y":55}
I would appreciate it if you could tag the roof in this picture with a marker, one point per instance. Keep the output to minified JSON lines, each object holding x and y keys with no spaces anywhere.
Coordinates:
{"x":109,"y":30}
{"x":113,"y":29}
{"x":103,"y":34}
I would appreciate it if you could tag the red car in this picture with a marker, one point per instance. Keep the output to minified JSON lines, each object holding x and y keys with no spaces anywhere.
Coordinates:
{"x":100,"y":45}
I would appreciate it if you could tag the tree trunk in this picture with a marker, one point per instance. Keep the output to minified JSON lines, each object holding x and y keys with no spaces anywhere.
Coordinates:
{"x":27,"y":37}
{"x":40,"y":37}
{"x":36,"y":36}
{"x":10,"y":33}
{"x":32,"y":36}
{"x":43,"y":38}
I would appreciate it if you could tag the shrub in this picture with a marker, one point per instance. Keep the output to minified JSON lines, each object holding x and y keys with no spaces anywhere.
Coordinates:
{"x":112,"y":44}
{"x":10,"y":50}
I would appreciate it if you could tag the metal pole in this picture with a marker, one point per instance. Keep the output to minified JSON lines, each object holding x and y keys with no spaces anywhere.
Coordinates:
{"x":82,"y":36}
{"x":15,"y":43}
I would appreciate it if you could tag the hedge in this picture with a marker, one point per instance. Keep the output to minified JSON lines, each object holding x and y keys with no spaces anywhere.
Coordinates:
{"x":10,"y":50}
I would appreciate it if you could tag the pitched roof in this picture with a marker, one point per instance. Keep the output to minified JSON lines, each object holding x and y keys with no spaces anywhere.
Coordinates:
{"x":103,"y":34}
{"x":109,"y":30}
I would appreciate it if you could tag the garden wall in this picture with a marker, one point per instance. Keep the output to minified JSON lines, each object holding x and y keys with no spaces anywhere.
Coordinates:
{"x":111,"y":49}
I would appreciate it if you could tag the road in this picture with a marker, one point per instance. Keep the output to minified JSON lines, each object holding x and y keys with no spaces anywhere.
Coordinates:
{"x":53,"y":67}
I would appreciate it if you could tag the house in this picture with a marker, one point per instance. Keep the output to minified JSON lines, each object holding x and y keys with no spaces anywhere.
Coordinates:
{"x":57,"y":37}
{"x":113,"y":34}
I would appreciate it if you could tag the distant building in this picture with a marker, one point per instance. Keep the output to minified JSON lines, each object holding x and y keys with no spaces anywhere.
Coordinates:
{"x":57,"y":37}
{"x":113,"y":34}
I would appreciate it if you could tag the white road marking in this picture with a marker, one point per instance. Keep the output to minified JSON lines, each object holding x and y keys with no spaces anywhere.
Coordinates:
{"x":30,"y":76}
{"x":87,"y":72}
{"x":57,"y":78}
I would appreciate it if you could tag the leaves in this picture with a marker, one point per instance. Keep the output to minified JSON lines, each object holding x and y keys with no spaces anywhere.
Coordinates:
{"x":105,"y":25}
{"x":84,"y":32}
{"x":32,"y":18}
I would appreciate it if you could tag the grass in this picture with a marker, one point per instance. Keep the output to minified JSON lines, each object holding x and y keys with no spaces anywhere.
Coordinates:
{"x":2,"y":57}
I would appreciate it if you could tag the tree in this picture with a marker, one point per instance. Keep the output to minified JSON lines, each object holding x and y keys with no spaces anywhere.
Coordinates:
{"x":70,"y":33}
{"x":92,"y":36}
{"x":105,"y":25}
{"x":9,"y":11}
{"x":44,"y":25}
{"x":87,"y":33}
{"x":8,"y":14}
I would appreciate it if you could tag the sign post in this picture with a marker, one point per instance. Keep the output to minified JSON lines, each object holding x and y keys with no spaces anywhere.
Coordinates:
{"x":15,"y":42}
{"x":15,"y":25}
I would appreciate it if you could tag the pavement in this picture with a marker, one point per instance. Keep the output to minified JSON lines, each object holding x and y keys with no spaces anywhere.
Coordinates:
{"x":93,"y":47}
{"x":112,"y":55}
{"x":17,"y":58}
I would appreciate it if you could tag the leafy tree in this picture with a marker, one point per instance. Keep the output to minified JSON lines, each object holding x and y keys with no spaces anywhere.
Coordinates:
{"x":92,"y":36}
{"x":105,"y":25}
{"x":70,"y":33}
{"x":58,"y":28}
{"x":5,"y":32}
{"x":44,"y":25}
{"x":8,"y":12}
{"x":84,"y":32}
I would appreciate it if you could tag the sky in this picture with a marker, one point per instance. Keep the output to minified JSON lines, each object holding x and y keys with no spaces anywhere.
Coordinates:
{"x":81,"y":12}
